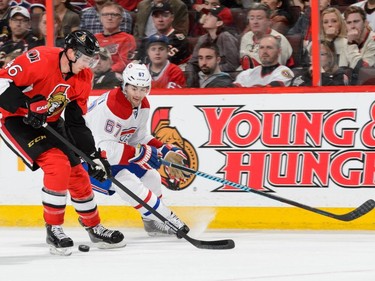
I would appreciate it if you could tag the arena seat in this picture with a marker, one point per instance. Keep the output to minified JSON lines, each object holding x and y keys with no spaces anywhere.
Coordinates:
{"x":366,"y":76}
{"x":344,"y":2}
{"x":341,"y":8}
{"x":295,"y":41}
{"x":192,"y":42}
{"x":295,"y":12}
{"x":239,"y":19}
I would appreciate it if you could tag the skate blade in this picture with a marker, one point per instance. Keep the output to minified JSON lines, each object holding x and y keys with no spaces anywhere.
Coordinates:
{"x":60,"y":251}
{"x":103,"y":245}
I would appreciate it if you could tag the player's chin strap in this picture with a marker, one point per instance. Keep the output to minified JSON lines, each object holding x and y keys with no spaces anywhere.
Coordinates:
{"x":70,"y":61}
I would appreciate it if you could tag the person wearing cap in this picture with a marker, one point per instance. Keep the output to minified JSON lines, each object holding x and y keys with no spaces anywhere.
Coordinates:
{"x":165,"y":75}
{"x":226,"y":42}
{"x":259,"y":17}
{"x":224,"y":12}
{"x":120,"y":44}
{"x":37,"y":7}
{"x":90,"y":19}
{"x":210,"y":75}
{"x":144,"y":26}
{"x":21,"y":37}
{"x":179,"y":51}
{"x":104,"y":77}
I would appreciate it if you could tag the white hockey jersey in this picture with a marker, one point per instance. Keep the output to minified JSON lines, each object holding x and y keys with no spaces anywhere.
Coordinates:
{"x":276,"y":76}
{"x":117,"y":127}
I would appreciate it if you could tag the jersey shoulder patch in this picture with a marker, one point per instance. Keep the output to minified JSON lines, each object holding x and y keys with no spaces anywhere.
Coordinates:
{"x":286,"y":73}
{"x":180,"y":36}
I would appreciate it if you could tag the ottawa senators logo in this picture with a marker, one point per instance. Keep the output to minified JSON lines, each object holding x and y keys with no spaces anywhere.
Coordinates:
{"x":58,"y":99}
{"x":165,"y":133}
{"x":33,"y":55}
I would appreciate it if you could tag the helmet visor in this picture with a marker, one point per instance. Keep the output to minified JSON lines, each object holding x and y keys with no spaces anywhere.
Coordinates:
{"x":88,"y":62}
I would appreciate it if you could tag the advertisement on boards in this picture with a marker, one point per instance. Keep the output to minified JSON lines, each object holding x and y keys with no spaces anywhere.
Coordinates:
{"x":317,"y":149}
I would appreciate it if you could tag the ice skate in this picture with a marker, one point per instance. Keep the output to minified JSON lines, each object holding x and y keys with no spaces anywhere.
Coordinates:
{"x":59,"y":243}
{"x":104,"y":238}
{"x":158,"y":228}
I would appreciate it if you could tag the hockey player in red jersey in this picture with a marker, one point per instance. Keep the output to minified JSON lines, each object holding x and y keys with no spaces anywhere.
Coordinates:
{"x":118,"y":121}
{"x":35,"y":88}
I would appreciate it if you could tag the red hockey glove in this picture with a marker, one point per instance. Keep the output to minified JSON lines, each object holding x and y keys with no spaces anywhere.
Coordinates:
{"x":147,"y":157}
{"x":102,"y":170}
{"x":37,"y":112}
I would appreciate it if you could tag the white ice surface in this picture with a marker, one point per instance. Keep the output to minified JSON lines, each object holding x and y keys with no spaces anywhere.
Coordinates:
{"x":258,"y":255}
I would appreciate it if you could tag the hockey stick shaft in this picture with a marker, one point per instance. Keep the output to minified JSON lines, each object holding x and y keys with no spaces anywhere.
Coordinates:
{"x":219,"y":244}
{"x":356,"y":213}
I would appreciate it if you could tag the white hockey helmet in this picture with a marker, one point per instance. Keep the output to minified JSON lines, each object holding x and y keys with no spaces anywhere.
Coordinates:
{"x":137,"y":75}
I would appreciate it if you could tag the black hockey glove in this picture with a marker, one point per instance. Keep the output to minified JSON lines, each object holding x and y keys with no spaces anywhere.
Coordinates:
{"x":37,"y":111}
{"x":102,"y":170}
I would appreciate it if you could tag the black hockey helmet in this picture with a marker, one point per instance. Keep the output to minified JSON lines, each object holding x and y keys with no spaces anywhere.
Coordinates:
{"x":83,"y":41}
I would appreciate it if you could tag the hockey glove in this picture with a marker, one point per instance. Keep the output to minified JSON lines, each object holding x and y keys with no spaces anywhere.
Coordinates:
{"x":37,"y":112}
{"x":102,"y":170}
{"x":174,"y":154}
{"x":147,"y":157}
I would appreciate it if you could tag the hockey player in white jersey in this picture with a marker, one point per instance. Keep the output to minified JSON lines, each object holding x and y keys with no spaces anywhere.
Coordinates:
{"x":118,"y":121}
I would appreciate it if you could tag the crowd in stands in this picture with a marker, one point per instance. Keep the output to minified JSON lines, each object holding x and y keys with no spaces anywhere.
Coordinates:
{"x":205,"y":43}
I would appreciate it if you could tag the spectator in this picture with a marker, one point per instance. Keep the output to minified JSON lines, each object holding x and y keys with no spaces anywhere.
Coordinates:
{"x":164,"y":74}
{"x":21,"y":37}
{"x":90,"y":19}
{"x":300,"y":3}
{"x":303,"y":26}
{"x":129,"y":5}
{"x":331,"y":73}
{"x":360,"y":38}
{"x":280,"y":16}
{"x":104,"y":77}
{"x":260,"y":25}
{"x":210,"y":75}
{"x":212,"y":4}
{"x":11,"y":56}
{"x":42,"y":31}
{"x":37,"y":7}
{"x":369,"y":7}
{"x":163,"y":18}
{"x":227,"y":43}
{"x":120,"y":44}
{"x":333,"y":30}
{"x":232,"y":3}
{"x":4,"y":20}
{"x":225,"y":14}
{"x":270,"y":72}
{"x":360,"y":48}
{"x":144,"y":25}
{"x":68,"y":16}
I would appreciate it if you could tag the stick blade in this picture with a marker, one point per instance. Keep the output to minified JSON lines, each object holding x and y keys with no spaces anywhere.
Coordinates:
{"x":359,"y":212}
{"x":225,"y":244}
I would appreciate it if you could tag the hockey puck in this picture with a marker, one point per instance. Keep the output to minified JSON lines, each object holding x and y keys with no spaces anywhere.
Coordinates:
{"x":84,"y":248}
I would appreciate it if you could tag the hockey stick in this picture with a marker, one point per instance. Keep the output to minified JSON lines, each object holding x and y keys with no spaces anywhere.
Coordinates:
{"x":214,"y":245}
{"x":356,"y":213}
